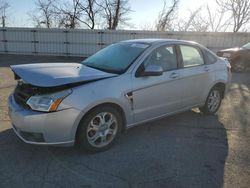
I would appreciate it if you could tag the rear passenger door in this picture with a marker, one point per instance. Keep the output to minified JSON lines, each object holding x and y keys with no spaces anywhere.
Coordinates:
{"x":197,"y":75}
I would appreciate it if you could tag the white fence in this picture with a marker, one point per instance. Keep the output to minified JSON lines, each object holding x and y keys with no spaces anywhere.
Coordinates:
{"x":80,"y":42}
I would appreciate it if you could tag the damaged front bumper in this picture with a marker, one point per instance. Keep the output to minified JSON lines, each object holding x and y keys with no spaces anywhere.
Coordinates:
{"x":57,"y":128}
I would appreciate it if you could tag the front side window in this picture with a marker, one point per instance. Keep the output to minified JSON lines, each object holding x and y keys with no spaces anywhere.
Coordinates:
{"x":191,"y":56}
{"x":115,"y":58}
{"x":164,"y":56}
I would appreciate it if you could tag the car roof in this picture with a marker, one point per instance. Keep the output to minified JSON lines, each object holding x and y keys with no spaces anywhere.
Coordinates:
{"x":158,"y":41}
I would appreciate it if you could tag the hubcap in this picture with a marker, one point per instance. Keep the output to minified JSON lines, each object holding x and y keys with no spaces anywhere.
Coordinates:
{"x":213,"y":100}
{"x":102,"y":129}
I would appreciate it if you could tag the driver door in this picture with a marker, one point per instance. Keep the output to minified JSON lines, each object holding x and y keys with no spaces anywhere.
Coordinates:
{"x":155,"y":96}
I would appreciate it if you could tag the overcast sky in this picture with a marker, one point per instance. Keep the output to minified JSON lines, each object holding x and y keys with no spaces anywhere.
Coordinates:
{"x":144,"y":11}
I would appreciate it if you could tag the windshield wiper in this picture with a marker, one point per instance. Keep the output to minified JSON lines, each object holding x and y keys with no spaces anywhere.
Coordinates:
{"x":103,"y":69}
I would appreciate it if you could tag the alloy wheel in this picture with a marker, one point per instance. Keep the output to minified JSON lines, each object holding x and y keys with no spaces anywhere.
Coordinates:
{"x":102,"y":129}
{"x":214,"y":100}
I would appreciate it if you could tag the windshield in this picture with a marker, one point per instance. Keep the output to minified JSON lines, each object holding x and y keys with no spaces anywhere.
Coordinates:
{"x":115,"y":58}
{"x":247,"y":46}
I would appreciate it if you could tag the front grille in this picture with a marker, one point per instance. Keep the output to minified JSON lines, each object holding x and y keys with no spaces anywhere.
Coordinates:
{"x":22,"y":93}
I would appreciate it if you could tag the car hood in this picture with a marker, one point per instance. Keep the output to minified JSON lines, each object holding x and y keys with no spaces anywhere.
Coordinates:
{"x":57,"y":74}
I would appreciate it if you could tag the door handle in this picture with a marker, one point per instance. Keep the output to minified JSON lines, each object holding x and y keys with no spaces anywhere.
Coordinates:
{"x":206,"y":68}
{"x":174,"y":75}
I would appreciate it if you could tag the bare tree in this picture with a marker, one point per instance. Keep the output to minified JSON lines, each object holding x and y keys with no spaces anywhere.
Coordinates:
{"x":66,"y":13}
{"x":73,"y":13}
{"x":217,"y":20}
{"x":69,"y":13}
{"x":184,"y":25}
{"x":43,"y":15}
{"x":3,"y":7}
{"x":240,"y":12}
{"x":90,"y":10}
{"x":204,"y":19}
{"x":166,"y":16}
{"x":115,"y":12}
{"x":147,"y":26}
{"x":195,"y":22}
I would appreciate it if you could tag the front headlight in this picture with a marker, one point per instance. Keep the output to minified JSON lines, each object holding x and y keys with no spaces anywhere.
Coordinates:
{"x":47,"y":102}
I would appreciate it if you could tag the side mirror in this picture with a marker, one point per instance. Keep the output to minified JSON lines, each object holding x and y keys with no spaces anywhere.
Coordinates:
{"x":152,"y":70}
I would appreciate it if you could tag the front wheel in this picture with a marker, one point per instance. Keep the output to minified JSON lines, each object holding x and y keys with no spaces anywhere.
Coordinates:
{"x":213,"y":101}
{"x":99,"y":129}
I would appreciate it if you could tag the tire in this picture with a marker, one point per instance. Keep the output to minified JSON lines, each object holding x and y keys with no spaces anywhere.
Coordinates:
{"x":239,"y":66}
{"x":213,"y":101}
{"x":99,"y":129}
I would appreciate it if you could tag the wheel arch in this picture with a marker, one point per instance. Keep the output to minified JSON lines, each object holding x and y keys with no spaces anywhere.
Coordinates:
{"x":222,"y":87}
{"x":110,"y":104}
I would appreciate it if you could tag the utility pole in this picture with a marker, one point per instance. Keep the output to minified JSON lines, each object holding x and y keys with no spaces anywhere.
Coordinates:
{"x":3,"y":21}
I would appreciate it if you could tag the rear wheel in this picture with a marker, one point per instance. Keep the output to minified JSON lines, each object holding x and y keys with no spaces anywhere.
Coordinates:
{"x":213,"y":101}
{"x":99,"y":129}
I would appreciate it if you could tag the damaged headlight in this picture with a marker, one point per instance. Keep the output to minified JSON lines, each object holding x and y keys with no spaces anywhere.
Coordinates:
{"x":47,"y":102}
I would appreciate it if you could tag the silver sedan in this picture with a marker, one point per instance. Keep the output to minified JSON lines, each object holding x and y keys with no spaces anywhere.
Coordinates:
{"x":122,"y":85}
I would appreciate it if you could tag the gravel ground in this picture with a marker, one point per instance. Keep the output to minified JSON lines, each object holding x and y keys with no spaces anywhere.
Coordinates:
{"x":185,"y":150}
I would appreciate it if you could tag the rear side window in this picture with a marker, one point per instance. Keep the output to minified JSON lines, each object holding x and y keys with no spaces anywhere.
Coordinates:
{"x":191,"y":56}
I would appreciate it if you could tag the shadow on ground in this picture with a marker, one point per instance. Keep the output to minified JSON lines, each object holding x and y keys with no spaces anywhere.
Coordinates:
{"x":186,"y":150}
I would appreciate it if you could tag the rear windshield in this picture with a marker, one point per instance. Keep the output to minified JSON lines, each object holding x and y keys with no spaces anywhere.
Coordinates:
{"x":116,"y":58}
